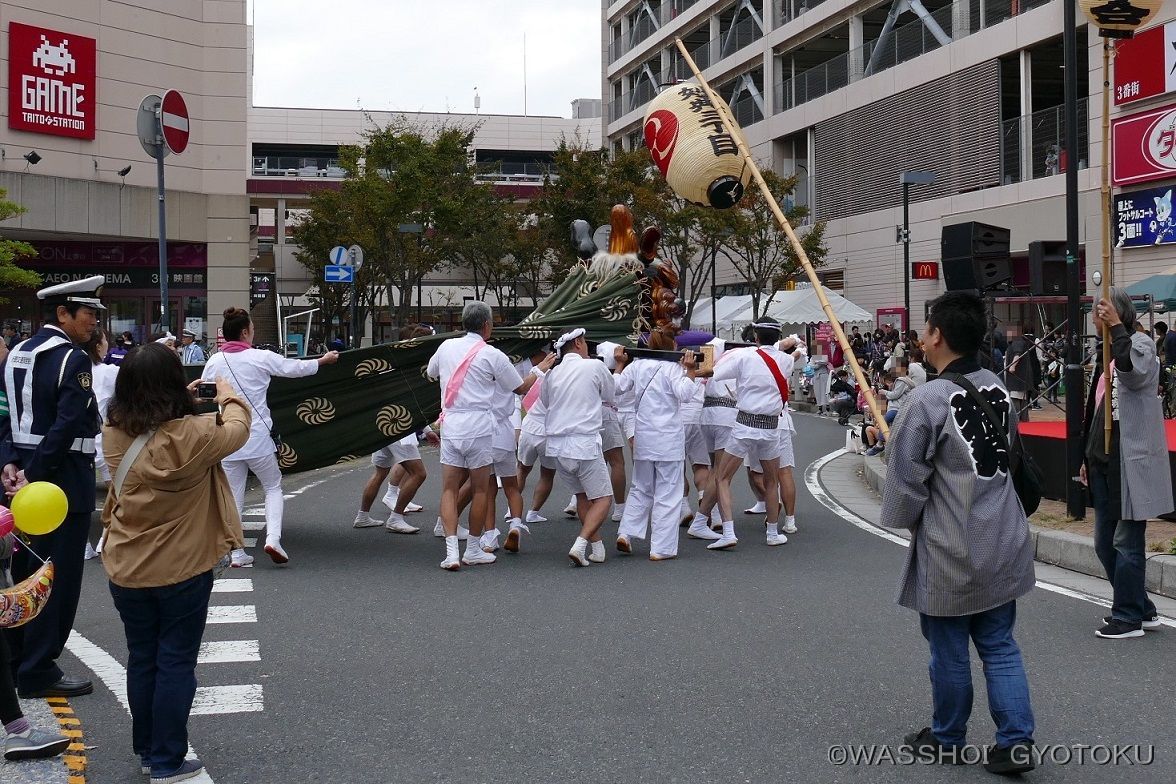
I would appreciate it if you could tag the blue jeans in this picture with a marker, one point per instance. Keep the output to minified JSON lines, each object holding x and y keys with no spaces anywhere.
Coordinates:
{"x":164,"y":626}
{"x":1004,"y":675}
{"x":1119,"y":543}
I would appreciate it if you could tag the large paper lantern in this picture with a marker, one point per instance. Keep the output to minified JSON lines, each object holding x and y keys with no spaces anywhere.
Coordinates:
{"x":698,"y":158}
{"x":1119,"y":18}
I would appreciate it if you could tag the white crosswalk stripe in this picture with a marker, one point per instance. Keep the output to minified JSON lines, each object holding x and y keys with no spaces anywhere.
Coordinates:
{"x":212,"y":700}
{"x":232,"y":586}
{"x":219,"y":652}
{"x":232,"y":613}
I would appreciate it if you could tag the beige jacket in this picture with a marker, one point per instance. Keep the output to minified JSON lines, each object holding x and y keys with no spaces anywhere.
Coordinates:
{"x":176,"y":516}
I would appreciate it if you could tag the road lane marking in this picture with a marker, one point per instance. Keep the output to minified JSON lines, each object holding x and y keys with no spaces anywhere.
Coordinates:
{"x":232,"y":585}
{"x":213,"y":700}
{"x":220,"y":652}
{"x":232,"y":613}
{"x":816,"y":490}
{"x":253,"y":525}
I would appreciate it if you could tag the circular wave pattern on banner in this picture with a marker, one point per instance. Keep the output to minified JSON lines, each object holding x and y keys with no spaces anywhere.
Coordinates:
{"x":393,"y":419}
{"x":315,"y":411}
{"x":372,"y":367}
{"x":616,"y":309}
{"x":536,"y":333}
{"x":287,"y":457}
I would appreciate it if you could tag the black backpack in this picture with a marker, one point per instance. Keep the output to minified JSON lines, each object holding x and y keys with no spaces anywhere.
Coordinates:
{"x":1023,"y":468}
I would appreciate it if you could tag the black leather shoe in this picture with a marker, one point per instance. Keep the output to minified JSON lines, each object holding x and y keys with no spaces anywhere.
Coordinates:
{"x":66,"y":687}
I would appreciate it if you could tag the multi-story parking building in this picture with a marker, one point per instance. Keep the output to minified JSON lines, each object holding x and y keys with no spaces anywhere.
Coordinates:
{"x":74,"y":76}
{"x":846,"y":95}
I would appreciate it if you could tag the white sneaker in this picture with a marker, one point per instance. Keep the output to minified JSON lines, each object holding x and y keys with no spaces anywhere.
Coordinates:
{"x":775,"y":539}
{"x":723,"y":543}
{"x":366,"y":521}
{"x":702,"y":531}
{"x":789,"y":528}
{"x":760,"y":508}
{"x":397,"y":525}
{"x":463,"y":533}
{"x":276,"y":553}
{"x":535,"y":517}
{"x":410,"y":507}
{"x":452,"y":562}
{"x":475,"y":555}
{"x":596,"y":552}
{"x":489,"y":541}
{"x":577,"y":554}
{"x":570,"y":509}
{"x":91,"y":553}
{"x":241,"y":558}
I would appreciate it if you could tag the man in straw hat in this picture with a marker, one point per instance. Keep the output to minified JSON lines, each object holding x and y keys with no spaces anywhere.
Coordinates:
{"x":48,"y":435}
{"x":762,"y":392}
{"x":573,"y":394}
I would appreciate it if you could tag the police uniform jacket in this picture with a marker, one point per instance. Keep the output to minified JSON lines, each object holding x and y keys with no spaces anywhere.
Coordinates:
{"x":51,"y":415}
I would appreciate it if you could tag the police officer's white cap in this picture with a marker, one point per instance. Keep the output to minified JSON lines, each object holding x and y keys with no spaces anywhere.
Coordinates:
{"x":84,"y":292}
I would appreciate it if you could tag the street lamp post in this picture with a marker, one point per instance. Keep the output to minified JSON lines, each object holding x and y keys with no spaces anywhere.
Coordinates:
{"x":907,"y":179}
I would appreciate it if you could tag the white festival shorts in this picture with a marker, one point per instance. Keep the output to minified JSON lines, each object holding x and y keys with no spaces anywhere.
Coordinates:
{"x":589,"y":477}
{"x":467,"y":453}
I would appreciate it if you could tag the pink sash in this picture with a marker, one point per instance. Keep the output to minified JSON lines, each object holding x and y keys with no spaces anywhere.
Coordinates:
{"x":532,"y":395}
{"x":458,"y":378}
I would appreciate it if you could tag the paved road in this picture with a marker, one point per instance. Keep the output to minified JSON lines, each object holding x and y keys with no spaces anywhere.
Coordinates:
{"x":744,"y":666}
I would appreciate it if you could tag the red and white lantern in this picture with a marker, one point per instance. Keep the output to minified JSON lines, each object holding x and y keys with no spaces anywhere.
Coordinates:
{"x":694,"y":152}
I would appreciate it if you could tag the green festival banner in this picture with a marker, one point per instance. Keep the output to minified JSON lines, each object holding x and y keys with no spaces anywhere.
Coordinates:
{"x":374,"y":396}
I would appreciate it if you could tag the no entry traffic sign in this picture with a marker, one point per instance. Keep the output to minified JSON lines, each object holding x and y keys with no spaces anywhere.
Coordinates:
{"x":173,"y":118}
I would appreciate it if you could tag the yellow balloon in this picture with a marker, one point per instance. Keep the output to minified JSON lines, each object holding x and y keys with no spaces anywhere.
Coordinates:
{"x":39,"y":507}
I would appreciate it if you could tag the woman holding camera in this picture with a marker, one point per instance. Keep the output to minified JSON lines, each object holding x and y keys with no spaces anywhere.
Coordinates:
{"x":169,"y":519}
{"x":249,"y":370}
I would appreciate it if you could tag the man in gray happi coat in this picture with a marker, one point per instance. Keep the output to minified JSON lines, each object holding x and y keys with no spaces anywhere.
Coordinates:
{"x":970,"y":557}
{"x":1132,"y":483}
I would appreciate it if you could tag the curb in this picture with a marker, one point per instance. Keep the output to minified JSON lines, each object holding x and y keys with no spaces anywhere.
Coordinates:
{"x":46,"y":714}
{"x":1062,"y":548}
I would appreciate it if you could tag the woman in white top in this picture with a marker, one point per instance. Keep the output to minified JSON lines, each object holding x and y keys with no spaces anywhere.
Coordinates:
{"x":102,"y":384}
{"x":249,"y":370}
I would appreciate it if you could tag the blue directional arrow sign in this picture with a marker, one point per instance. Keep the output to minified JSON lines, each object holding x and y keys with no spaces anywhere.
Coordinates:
{"x":338,"y":273}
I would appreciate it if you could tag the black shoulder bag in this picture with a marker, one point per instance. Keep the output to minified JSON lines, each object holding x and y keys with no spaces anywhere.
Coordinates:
{"x":1023,"y":468}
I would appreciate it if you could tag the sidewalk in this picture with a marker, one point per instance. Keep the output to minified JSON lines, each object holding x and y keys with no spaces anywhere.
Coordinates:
{"x":1070,"y":551}
{"x":49,"y":771}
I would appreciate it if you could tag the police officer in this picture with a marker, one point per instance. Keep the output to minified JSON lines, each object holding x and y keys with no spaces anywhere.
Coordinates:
{"x":48,"y":435}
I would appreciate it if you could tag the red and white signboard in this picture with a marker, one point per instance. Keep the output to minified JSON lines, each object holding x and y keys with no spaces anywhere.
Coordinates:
{"x":52,"y":78}
{"x":173,"y":116}
{"x":1144,"y":65}
{"x":1143,"y":146}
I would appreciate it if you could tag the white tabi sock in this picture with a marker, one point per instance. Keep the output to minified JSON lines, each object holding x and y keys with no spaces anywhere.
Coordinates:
{"x":789,"y":521}
{"x":597,"y":549}
{"x":773,"y":529}
{"x":729,"y":528}
{"x":362,"y":516}
{"x":619,"y":509}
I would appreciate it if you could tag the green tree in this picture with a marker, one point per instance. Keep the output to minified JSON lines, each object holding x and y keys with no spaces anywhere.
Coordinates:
{"x":759,"y":249}
{"x":12,"y":276}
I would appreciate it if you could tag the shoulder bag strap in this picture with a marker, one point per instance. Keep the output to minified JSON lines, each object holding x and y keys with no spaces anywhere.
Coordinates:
{"x":129,"y":459}
{"x":249,"y":400}
{"x":989,"y":411}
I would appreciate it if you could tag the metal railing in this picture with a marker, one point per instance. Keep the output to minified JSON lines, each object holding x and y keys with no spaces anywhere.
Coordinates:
{"x":746,"y":111}
{"x":295,"y":166}
{"x":740,"y":35}
{"x":1044,"y":133}
{"x":790,"y":9}
{"x":671,"y":9}
{"x":908,"y":42}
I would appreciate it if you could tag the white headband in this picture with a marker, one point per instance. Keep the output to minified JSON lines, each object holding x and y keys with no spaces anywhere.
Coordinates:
{"x":568,"y":337}
{"x":767,"y":325}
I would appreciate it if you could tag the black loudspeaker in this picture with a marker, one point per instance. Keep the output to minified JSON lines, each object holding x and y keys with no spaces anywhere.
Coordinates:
{"x":975,"y":256}
{"x":974,"y":240}
{"x":1047,"y":267}
{"x":973,"y":273}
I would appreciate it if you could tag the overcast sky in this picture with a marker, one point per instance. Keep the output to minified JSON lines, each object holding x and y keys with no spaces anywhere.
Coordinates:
{"x":426,"y":55}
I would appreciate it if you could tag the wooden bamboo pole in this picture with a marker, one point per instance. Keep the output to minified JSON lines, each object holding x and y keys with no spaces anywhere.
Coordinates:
{"x":736,"y":134}
{"x":1106,"y":239}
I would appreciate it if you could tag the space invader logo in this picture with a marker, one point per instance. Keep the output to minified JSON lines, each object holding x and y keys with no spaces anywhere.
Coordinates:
{"x":55,"y":60}
{"x":52,"y":79}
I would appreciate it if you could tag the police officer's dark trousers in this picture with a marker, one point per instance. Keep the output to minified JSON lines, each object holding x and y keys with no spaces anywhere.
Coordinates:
{"x":37,"y":645}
